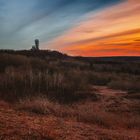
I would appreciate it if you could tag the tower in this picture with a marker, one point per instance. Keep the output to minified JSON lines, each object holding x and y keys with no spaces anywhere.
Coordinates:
{"x":37,"y":44}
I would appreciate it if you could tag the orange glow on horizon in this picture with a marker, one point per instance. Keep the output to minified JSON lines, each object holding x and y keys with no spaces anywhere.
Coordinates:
{"x":114,"y":31}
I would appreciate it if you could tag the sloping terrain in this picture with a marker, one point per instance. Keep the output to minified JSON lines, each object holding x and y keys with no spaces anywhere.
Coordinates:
{"x":21,"y":125}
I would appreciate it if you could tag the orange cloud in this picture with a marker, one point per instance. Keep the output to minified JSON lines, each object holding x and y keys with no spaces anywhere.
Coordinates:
{"x":114,"y":31}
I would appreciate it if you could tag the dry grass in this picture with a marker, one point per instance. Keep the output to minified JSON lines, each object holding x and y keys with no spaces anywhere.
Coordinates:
{"x":18,"y":83}
{"x":75,"y":112}
{"x":21,"y":125}
{"x":129,"y":85}
{"x":85,"y":113}
{"x":59,"y":79}
{"x":61,"y":89}
{"x":41,"y":105}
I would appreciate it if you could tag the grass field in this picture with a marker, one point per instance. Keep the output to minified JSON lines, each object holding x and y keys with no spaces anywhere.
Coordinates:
{"x":92,"y":98}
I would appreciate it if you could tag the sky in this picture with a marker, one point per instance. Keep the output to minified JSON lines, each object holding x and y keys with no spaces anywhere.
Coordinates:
{"x":75,"y":27}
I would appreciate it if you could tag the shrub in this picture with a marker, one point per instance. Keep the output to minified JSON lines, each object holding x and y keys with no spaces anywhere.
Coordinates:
{"x":8,"y":60}
{"x":57,"y":85}
{"x":97,"y":78}
{"x":41,"y":105}
{"x":125,"y":85}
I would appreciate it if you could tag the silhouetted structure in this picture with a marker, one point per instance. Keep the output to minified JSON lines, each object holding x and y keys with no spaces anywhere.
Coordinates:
{"x":36,"y":46}
{"x":33,"y":48}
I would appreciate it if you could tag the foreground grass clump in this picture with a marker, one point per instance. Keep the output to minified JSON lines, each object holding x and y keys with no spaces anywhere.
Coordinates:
{"x":41,"y":105}
{"x":79,"y":112}
{"x":85,"y":113}
{"x":133,"y":85}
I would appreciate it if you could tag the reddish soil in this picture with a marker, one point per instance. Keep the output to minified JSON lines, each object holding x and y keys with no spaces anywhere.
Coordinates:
{"x":20,"y":125}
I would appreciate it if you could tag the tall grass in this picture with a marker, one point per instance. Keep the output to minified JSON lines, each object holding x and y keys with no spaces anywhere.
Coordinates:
{"x":59,"y":79}
{"x":21,"y":83}
{"x":32,"y":76}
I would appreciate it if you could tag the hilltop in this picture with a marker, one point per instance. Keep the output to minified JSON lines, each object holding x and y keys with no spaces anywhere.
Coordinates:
{"x":57,"y":54}
{"x":36,"y":53}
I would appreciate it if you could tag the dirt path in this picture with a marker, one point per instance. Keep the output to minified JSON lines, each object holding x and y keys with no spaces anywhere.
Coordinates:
{"x":114,"y":100}
{"x":104,"y":90}
{"x":20,"y":125}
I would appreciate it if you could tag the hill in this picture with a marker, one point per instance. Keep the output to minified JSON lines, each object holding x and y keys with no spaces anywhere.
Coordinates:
{"x":50,"y":95}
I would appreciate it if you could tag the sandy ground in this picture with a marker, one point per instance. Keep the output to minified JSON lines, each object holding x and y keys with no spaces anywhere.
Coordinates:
{"x":20,"y":125}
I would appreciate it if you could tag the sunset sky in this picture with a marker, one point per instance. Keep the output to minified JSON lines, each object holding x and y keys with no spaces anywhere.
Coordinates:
{"x":75,"y":27}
